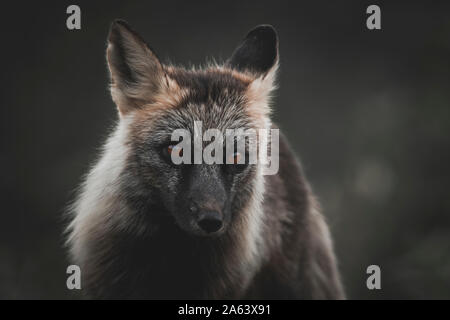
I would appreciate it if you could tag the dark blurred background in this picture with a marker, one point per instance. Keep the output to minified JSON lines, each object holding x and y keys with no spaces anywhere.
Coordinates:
{"x":367,"y":111}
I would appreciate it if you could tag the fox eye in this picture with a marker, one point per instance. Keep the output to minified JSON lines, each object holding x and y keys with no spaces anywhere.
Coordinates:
{"x":233,"y":163}
{"x":234,"y":158}
{"x":174,"y":148}
{"x":168,"y":150}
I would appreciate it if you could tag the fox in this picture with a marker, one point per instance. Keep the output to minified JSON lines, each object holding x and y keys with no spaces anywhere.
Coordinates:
{"x":142,"y":227}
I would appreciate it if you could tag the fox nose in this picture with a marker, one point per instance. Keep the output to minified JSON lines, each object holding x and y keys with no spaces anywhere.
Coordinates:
{"x":210,"y":221}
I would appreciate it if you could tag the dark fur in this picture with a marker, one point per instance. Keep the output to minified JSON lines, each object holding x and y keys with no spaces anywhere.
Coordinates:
{"x":146,"y":247}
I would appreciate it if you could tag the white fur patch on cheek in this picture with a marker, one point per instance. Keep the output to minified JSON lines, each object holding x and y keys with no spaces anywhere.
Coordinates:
{"x":98,"y":192}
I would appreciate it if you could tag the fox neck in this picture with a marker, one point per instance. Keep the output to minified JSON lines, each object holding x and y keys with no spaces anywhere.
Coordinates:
{"x":100,"y":209}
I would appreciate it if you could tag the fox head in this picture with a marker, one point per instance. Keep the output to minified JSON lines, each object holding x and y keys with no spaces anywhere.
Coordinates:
{"x":154,"y":99}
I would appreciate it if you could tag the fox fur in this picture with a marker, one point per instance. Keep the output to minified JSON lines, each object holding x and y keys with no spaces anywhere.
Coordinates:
{"x":131,"y":230}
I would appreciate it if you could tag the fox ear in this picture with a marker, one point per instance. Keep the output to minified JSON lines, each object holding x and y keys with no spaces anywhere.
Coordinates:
{"x":136,"y":72}
{"x":258,"y":52}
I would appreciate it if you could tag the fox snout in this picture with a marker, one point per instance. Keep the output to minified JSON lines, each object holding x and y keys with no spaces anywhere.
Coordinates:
{"x":209,"y":221}
{"x":203,"y":218}
{"x":205,"y":211}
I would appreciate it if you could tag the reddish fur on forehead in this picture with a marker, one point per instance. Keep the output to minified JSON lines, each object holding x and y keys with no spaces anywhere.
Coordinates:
{"x":256,"y":94}
{"x":172,"y":92}
{"x":169,"y":96}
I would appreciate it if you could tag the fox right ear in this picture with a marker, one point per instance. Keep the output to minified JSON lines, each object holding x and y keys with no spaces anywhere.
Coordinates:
{"x":257,"y":53}
{"x":136,"y":72}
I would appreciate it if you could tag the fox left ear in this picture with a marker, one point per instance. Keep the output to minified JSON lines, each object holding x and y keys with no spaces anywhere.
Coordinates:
{"x":258,"y":52}
{"x":136,"y":72}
